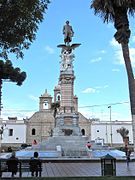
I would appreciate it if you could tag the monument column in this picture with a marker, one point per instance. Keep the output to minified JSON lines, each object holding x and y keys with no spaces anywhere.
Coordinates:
{"x":67,"y":90}
{"x":67,"y":117}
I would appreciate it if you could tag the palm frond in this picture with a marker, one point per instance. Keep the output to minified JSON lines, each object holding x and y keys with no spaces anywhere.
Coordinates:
{"x":106,"y":8}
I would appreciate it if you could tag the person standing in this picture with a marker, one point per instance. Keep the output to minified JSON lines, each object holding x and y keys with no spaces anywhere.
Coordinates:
{"x":126,"y":149}
{"x":88,"y":145}
{"x":34,"y":142}
{"x":128,"y":156}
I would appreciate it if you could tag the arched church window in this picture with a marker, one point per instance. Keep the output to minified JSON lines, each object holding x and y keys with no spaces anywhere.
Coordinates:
{"x":45,"y":105}
{"x":83,"y":132}
{"x":58,"y":97}
{"x":33,"y":131}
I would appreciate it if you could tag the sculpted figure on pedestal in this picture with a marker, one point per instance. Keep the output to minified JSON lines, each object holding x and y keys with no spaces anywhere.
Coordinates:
{"x":68,"y":33}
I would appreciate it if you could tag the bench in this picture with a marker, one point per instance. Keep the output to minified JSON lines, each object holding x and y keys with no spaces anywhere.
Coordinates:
{"x":4,"y":167}
{"x":23,"y":166}
{"x":26,"y":166}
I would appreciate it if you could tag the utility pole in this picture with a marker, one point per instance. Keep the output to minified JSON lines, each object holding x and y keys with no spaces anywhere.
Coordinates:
{"x":110,"y":108}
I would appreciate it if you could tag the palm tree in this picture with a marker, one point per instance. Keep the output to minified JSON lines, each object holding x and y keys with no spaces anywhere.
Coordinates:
{"x":9,"y":73}
{"x":54,"y":107}
{"x":117,"y":11}
{"x":124,"y":134}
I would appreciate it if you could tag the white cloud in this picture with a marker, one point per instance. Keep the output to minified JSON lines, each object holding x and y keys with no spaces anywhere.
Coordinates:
{"x":94,"y":90}
{"x":102,"y":113}
{"x":101,"y":87}
{"x":20,"y":114}
{"x":132,"y":54}
{"x":87,"y":113}
{"x":133,"y":39}
{"x":89,"y":90}
{"x":115,"y":70}
{"x":119,"y":55}
{"x":105,"y":86}
{"x":110,"y":25}
{"x":103,"y":51}
{"x":98,"y":87}
{"x":49,"y":50}
{"x":34,"y":98}
{"x":96,"y":60}
{"x":114,"y":43}
{"x":94,"y":113}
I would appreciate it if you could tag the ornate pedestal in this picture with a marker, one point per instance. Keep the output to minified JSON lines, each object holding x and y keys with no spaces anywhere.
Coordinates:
{"x":67,"y":125}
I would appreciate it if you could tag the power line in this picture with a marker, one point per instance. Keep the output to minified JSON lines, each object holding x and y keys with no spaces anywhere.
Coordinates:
{"x":98,"y":105}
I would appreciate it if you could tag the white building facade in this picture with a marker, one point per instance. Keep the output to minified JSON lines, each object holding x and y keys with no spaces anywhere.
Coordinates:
{"x":14,"y":132}
{"x":106,"y":131}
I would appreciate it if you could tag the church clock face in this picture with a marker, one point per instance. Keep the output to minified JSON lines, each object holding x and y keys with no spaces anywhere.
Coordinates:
{"x":45,"y":105}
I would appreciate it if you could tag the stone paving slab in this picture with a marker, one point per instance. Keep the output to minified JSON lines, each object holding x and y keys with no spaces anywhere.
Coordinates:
{"x":80,"y":170}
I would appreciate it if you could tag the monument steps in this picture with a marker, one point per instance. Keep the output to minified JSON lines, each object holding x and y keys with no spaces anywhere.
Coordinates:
{"x":67,"y":146}
{"x":66,"y":143}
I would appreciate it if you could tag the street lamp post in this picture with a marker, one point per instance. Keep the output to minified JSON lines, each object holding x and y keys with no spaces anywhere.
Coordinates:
{"x":110,"y":123}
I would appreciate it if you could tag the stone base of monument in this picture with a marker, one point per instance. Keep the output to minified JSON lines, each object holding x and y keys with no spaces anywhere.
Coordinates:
{"x":67,"y":124}
{"x":66,"y":131}
{"x":67,"y":146}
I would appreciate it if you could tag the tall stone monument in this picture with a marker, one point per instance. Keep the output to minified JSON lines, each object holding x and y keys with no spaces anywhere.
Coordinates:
{"x":67,"y":115}
{"x":66,"y":132}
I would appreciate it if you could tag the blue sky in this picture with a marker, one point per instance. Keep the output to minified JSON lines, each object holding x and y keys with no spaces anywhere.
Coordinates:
{"x":99,"y":67}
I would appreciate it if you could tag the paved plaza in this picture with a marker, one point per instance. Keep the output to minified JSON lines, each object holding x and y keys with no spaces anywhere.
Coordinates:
{"x":80,"y":170}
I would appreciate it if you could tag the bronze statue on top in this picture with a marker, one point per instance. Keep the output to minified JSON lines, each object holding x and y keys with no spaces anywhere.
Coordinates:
{"x":68,"y":33}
